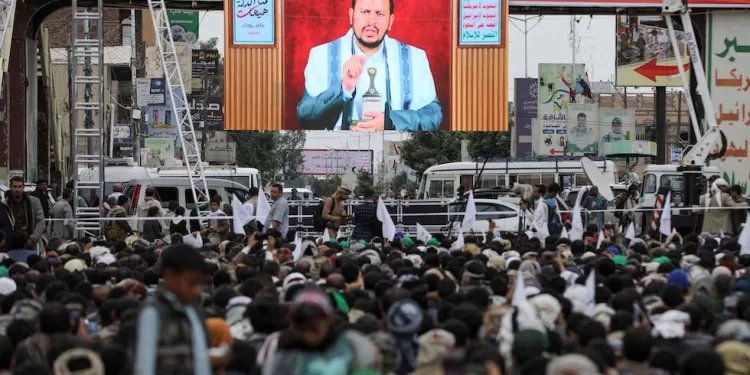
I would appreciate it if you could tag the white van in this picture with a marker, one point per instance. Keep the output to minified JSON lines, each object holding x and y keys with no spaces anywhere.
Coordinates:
{"x":304,"y":194}
{"x":115,"y":172}
{"x":179,"y":189}
{"x":655,"y":176}
{"x":249,"y":177}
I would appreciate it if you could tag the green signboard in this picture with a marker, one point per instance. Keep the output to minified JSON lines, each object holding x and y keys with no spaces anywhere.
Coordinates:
{"x":185,"y":25}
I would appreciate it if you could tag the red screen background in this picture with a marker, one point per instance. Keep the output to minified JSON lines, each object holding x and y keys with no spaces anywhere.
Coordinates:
{"x":425,"y":24}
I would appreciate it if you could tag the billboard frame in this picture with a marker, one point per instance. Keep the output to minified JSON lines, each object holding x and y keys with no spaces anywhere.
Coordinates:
{"x":371,"y":152}
{"x":274,"y":27}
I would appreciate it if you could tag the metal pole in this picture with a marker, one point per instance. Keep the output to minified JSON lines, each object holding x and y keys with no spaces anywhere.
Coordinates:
{"x":526,"y":46}
{"x":88,"y":122}
{"x":661,"y":125}
{"x":112,"y":109}
{"x":134,"y":90}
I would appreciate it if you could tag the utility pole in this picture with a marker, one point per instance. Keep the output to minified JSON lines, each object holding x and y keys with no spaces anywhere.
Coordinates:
{"x":202,"y":112}
{"x":135,"y":128}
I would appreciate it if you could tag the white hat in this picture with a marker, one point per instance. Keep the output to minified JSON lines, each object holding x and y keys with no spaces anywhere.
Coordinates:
{"x":75,"y":265}
{"x":7,"y":286}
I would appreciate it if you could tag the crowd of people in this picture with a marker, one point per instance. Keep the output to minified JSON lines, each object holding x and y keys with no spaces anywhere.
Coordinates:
{"x":184,"y":298}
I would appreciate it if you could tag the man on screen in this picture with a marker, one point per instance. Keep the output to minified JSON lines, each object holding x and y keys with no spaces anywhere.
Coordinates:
{"x":366,"y":81}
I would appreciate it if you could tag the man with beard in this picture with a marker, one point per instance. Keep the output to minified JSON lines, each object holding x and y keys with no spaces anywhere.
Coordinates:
{"x":394,"y":78}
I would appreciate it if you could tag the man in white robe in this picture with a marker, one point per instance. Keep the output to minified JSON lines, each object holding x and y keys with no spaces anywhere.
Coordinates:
{"x":340,"y":72}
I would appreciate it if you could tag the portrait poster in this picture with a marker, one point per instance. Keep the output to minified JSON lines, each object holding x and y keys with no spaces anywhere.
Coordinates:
{"x":557,"y":88}
{"x":616,"y":130}
{"x":395,"y":65}
{"x":582,"y":129}
{"x":162,"y":152}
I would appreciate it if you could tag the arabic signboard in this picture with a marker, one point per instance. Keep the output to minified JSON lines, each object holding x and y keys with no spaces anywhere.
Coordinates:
{"x":144,"y":87}
{"x":206,"y":111}
{"x":161,"y":122}
{"x":582,"y":129}
{"x":185,"y":25}
{"x":628,"y":3}
{"x":205,"y":61}
{"x":122,"y":135}
{"x":336,"y":162}
{"x":221,"y":152}
{"x":185,"y":59}
{"x":645,"y":56}
{"x":728,"y":70}
{"x":253,"y":22}
{"x":557,"y":88}
{"x":526,"y":109}
{"x":676,"y":154}
{"x":481,"y":23}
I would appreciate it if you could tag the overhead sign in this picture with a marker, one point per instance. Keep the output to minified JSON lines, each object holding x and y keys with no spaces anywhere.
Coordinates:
{"x":526,"y":110}
{"x":645,"y":56}
{"x":481,"y":23}
{"x":628,"y":3}
{"x":221,"y":152}
{"x":558,"y":86}
{"x":676,"y":154}
{"x":208,"y":111}
{"x":122,"y":135}
{"x":336,"y":162}
{"x":144,"y":88}
{"x":728,"y":71}
{"x":253,"y":22}
{"x":185,"y":25}
{"x":205,"y":61}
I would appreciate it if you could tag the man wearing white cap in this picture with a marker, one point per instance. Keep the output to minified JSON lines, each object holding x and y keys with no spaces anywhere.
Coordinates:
{"x":716,"y":220}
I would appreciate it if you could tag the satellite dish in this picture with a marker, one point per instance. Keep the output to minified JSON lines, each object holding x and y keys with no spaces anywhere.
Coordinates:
{"x":597,"y":178}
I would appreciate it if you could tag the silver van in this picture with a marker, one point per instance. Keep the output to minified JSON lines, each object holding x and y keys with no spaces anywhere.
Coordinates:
{"x":178,"y":189}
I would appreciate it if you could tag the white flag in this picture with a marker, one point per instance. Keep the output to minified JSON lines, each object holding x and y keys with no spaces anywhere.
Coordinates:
{"x":600,"y":240}
{"x":297,"y":247}
{"x":240,"y":215}
{"x":721,"y":233}
{"x":193,"y":239}
{"x":460,"y":240}
{"x":519,"y":293}
{"x":326,"y":236}
{"x":261,"y":212}
{"x":576,"y":230}
{"x":564,"y":233}
{"x":630,"y":233}
{"x":389,"y":229}
{"x":422,"y":234}
{"x":470,"y":215}
{"x":591,"y":293}
{"x":744,"y":239}
{"x":339,"y":234}
{"x":665,"y":225}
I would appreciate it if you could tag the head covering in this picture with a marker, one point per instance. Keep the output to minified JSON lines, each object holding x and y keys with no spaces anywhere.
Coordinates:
{"x":75,"y":265}
{"x":548,"y":308}
{"x":680,"y":278}
{"x":432,"y":345}
{"x":662,"y":260}
{"x":313,"y":297}
{"x":734,"y":330}
{"x":527,"y":344}
{"x":218,"y":331}
{"x":613,"y":250}
{"x":736,"y":356}
{"x":433,"y":242}
{"x":293,"y":278}
{"x":407,"y":241}
{"x":3,"y":271}
{"x":616,"y":121}
{"x":620,"y":260}
{"x":721,"y":270}
{"x":572,"y":364}
{"x":404,"y":317}
{"x":7,"y":286}
{"x":236,"y":309}
{"x":671,"y":324}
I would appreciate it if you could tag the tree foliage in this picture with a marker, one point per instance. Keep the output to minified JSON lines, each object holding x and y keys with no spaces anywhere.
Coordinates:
{"x":425,"y":149}
{"x":277,"y":155}
{"x":399,"y":182}
{"x":290,"y":146}
{"x":325,"y":187}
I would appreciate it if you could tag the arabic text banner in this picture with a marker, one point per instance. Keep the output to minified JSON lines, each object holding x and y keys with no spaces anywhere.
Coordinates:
{"x":330,"y":46}
{"x":557,"y":88}
{"x":728,"y":71}
{"x":253,"y":23}
{"x":336,"y":162}
{"x":481,"y":23}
